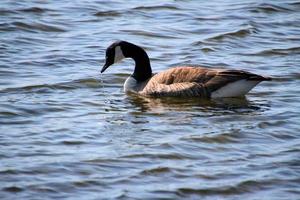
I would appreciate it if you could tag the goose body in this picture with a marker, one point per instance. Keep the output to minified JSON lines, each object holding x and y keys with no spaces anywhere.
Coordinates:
{"x":184,"y":81}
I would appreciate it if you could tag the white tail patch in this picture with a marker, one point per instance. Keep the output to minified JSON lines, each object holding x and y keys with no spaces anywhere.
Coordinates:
{"x":118,"y":54}
{"x":235,"y":89}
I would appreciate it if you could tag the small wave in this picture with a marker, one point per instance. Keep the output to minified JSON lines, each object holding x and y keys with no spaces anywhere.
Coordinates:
{"x":156,"y":171}
{"x":207,"y":191}
{"x":34,"y":10}
{"x":79,"y":83}
{"x":161,"y":7}
{"x":221,"y":138}
{"x":8,"y":114}
{"x":207,"y":49}
{"x":8,"y":171}
{"x":72,"y":142}
{"x":15,"y":122}
{"x":208,"y":18}
{"x":107,"y":14}
{"x":239,"y":188}
{"x":38,"y":27}
{"x":4,"y":12}
{"x":148,"y":34}
{"x":238,"y":33}
{"x":13,"y":189}
{"x":86,"y":183}
{"x":295,"y":3}
{"x":268,"y":8}
{"x":272,"y":52}
{"x":173,"y":156}
{"x":6,"y":27}
{"x":37,"y":88}
{"x":42,"y":189}
{"x":101,"y":160}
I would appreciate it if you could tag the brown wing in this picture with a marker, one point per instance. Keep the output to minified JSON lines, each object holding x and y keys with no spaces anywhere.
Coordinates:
{"x":194,"y":81}
{"x":187,"y":89}
{"x":179,"y":81}
{"x":184,"y":74}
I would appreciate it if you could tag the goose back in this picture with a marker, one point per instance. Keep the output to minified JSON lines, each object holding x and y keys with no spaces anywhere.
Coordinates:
{"x":196,"y":81}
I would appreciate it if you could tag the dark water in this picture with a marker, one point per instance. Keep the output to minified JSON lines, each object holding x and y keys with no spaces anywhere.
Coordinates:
{"x":67,"y":132}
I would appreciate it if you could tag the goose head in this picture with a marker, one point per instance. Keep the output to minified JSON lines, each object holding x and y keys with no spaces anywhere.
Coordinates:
{"x":114,"y":54}
{"x":119,"y":50}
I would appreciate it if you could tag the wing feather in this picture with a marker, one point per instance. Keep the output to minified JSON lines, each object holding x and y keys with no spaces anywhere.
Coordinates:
{"x":194,"y":81}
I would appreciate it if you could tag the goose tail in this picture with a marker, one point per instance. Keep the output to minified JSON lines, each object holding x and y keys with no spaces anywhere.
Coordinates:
{"x":259,"y":78}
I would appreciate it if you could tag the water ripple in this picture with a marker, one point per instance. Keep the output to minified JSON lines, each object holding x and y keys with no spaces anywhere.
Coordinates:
{"x":243,"y":32}
{"x":75,"y":84}
{"x":282,"y":51}
{"x":242,"y":187}
{"x":34,"y":10}
{"x":37,"y":27}
{"x":158,"y":7}
{"x":108,"y":13}
{"x":269,"y":8}
{"x":68,"y":132}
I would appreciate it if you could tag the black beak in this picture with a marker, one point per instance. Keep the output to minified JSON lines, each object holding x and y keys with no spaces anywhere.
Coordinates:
{"x":104,"y":67}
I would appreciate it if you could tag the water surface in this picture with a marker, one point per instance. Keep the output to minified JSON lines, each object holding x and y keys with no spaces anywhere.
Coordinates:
{"x":67,"y":132}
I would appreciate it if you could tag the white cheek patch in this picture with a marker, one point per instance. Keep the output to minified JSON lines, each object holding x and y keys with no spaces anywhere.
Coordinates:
{"x":118,"y":54}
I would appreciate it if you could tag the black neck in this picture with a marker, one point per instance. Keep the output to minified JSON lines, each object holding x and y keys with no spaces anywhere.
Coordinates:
{"x":142,"y":70}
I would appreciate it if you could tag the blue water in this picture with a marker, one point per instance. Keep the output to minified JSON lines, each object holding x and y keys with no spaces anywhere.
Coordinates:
{"x":69,"y":132}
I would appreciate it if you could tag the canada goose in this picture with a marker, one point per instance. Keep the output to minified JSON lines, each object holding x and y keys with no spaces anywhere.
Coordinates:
{"x":179,"y":81}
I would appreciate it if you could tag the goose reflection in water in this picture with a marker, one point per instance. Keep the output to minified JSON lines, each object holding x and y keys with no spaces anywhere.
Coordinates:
{"x":208,"y":106}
